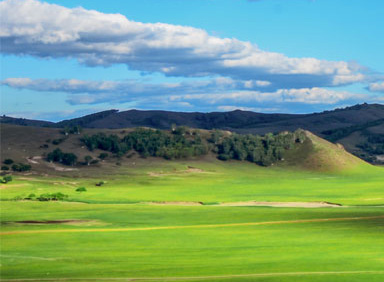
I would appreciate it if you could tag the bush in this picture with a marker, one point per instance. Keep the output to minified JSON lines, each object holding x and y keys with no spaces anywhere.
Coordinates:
{"x":6,"y":179}
{"x":58,"y":141}
{"x":100,"y":183}
{"x":64,"y":158}
{"x":103,"y":156}
{"x":4,"y":167}
{"x":21,"y":167}
{"x":8,"y":161}
{"x":52,"y":197}
{"x":88,"y":160}
{"x":30,"y":197}
{"x":81,"y":189}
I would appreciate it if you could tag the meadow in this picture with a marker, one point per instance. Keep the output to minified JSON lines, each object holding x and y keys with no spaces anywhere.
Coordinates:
{"x":115,"y":232}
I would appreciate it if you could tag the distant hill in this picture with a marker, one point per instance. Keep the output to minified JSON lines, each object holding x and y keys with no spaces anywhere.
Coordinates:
{"x":302,"y":149}
{"x":26,"y":122}
{"x":358,"y":127}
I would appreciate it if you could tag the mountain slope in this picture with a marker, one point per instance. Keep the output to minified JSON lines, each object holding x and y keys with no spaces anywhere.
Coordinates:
{"x":321,"y":155}
{"x":358,"y":128}
{"x":32,"y":145}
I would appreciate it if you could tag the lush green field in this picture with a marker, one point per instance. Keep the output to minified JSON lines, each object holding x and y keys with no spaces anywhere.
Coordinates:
{"x":117,"y":236}
{"x":211,"y":182}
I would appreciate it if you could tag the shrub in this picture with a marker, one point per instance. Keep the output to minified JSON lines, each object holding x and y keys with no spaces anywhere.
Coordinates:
{"x":6,"y":179}
{"x":8,"y":161}
{"x":57,"y":141}
{"x":30,"y":197}
{"x":21,"y":167}
{"x":64,"y":158}
{"x":88,"y":160}
{"x":81,"y":189}
{"x":100,"y":183}
{"x":52,"y":197}
{"x":103,"y":156}
{"x":4,"y":167}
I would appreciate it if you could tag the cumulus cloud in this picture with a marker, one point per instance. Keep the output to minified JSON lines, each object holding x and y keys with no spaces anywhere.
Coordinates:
{"x":304,"y":95}
{"x":30,"y":27}
{"x":99,"y":91}
{"x":377,"y":87}
{"x":218,"y":92}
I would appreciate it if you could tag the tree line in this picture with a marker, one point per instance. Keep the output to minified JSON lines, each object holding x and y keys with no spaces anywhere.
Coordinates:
{"x":183,"y":142}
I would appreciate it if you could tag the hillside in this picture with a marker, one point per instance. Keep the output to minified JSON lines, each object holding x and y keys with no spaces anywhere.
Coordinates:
{"x":357,"y":128}
{"x":301,"y":149}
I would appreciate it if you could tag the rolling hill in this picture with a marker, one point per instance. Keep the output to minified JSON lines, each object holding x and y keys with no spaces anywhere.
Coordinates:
{"x":32,"y":145}
{"x":358,"y":128}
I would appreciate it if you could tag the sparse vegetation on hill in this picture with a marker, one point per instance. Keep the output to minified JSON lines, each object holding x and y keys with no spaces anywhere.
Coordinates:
{"x":20,"y":167}
{"x":64,"y":158}
{"x":347,"y":126}
{"x":183,"y":142}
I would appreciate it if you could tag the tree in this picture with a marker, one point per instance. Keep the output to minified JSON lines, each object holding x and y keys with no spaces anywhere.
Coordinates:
{"x":87,"y":159}
{"x":4,"y":167}
{"x":6,"y":179}
{"x":21,"y":167}
{"x":81,"y":189}
{"x":8,"y":161}
{"x":103,"y":156}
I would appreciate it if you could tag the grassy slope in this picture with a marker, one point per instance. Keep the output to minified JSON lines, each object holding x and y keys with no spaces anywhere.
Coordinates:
{"x":232,"y":250}
{"x":219,"y":182}
{"x":325,"y":246}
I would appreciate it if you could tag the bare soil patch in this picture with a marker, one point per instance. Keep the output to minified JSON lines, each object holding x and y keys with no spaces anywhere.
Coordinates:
{"x":59,"y":168}
{"x":283,"y":204}
{"x":176,"y":203}
{"x":189,"y":169}
{"x":7,"y":185}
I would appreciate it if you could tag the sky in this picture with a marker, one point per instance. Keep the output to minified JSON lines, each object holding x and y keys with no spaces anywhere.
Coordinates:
{"x":65,"y":59}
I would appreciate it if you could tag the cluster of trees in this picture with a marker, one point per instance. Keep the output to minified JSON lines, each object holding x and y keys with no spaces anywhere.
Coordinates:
{"x":60,"y":157}
{"x":6,"y":179}
{"x":263,"y":150}
{"x":374,"y":144}
{"x":182,"y":142}
{"x":76,"y":129}
{"x":339,"y":133}
{"x":19,"y":167}
{"x":58,"y":196}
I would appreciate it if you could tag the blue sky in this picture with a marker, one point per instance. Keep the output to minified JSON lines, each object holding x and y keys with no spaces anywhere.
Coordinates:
{"x":60,"y":61}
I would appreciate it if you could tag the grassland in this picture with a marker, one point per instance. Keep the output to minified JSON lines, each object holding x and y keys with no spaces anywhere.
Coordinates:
{"x":115,"y":234}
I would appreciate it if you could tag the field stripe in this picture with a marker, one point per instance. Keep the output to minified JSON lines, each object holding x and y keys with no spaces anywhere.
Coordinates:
{"x":187,"y":226}
{"x":308,"y":273}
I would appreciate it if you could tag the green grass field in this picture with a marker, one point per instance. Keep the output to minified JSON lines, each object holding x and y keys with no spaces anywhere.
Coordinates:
{"x":115,"y":234}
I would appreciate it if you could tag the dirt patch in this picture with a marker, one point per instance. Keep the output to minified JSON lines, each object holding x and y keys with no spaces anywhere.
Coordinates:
{"x":189,"y":169}
{"x":59,"y":168}
{"x":32,"y":161}
{"x":3,"y":186}
{"x":175,"y":203}
{"x":47,"y":222}
{"x":192,"y":169}
{"x":283,"y":204}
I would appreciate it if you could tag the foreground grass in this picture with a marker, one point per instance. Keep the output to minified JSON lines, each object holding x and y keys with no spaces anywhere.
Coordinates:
{"x":119,"y":237}
{"x":353,"y":245}
{"x":216,"y":182}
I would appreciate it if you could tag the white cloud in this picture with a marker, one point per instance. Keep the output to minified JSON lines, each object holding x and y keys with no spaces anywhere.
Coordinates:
{"x":30,"y":27}
{"x":218,"y":91}
{"x":377,"y":87}
{"x":305,"y":95}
